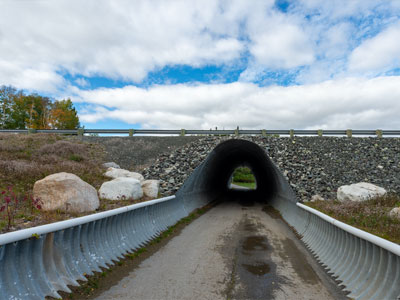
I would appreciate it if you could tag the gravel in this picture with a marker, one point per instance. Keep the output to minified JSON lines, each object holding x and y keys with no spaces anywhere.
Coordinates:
{"x":138,"y":152}
{"x":312,"y":165}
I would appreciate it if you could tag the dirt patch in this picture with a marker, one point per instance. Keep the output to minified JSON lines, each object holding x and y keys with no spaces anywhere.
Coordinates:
{"x":253,"y":243}
{"x":272,"y":212}
{"x":258,"y":269}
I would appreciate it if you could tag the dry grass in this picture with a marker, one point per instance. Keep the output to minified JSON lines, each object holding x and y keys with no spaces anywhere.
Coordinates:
{"x":24,"y":159}
{"x":28,"y":158}
{"x":371,"y":215}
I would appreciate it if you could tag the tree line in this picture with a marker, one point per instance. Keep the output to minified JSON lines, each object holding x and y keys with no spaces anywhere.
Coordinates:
{"x":19,"y":110}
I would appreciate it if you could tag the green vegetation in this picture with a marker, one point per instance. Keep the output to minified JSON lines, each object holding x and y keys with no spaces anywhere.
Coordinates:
{"x":250,"y":185}
{"x":371,"y":215}
{"x":243,"y":176}
{"x":21,"y":111}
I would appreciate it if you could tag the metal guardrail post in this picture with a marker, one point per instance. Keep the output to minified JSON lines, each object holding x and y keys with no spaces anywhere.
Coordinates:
{"x":349,"y":133}
{"x":379,"y":133}
{"x":291,"y":133}
{"x":320,"y":132}
{"x":183,"y":132}
{"x":81,"y":132}
{"x":131,"y":132}
{"x":31,"y":131}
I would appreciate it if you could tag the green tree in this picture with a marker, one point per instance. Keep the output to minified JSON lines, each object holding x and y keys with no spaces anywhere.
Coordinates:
{"x":7,"y":97}
{"x":63,"y":115}
{"x":21,"y":111}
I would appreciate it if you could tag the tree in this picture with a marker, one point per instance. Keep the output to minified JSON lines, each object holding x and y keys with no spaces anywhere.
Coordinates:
{"x":7,"y":96}
{"x":63,"y":115}
{"x":21,"y":111}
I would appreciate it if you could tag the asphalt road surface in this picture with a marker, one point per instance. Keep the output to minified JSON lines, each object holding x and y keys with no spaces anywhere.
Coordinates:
{"x":230,"y":252}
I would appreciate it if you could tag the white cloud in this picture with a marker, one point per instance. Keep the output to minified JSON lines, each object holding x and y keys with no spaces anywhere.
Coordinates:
{"x":115,"y":39}
{"x":282,"y":46}
{"x":345,"y":103}
{"x":380,"y":53}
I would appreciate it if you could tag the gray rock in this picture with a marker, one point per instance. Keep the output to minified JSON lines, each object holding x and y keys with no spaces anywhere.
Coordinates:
{"x":359,"y":192}
{"x":317,"y":198}
{"x":116,"y":173}
{"x":150,"y":188}
{"x":121,"y":188}
{"x":111,"y":165}
{"x":395,"y":213}
{"x":66,"y":192}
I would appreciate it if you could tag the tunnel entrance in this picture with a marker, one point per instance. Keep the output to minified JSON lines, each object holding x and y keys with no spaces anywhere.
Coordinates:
{"x":209,"y":180}
{"x":242,"y":178}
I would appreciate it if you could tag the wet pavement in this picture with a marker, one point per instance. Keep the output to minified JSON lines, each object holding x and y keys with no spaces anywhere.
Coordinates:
{"x":233,"y":251}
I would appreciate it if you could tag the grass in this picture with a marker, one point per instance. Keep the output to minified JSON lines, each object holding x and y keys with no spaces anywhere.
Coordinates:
{"x":250,"y":185}
{"x":26,"y":159}
{"x":371,"y":215}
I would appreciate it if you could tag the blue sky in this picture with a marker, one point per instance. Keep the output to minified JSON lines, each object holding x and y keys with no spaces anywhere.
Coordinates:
{"x":211,"y":63}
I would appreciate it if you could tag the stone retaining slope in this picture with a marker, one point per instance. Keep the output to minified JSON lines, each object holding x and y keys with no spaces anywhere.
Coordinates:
{"x":312,"y":165}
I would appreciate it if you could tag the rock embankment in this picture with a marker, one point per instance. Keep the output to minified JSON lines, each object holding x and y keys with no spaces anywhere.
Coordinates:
{"x":137,"y":152}
{"x":312,"y":165}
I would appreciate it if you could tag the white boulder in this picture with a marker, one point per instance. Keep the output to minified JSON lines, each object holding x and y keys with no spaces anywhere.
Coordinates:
{"x":111,"y":164}
{"x":395,"y":213}
{"x":116,"y":173}
{"x":121,"y":188}
{"x":150,"y":188}
{"x":66,"y":192}
{"x":359,"y":192}
{"x":317,"y":198}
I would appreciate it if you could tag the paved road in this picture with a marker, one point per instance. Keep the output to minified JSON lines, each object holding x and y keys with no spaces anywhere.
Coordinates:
{"x":231,"y":252}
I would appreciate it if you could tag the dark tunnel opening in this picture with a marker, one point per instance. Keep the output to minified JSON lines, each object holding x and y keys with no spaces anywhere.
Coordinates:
{"x":209,"y":182}
{"x":235,"y":153}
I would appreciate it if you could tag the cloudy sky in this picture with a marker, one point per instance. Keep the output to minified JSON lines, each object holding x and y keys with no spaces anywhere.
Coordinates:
{"x":280,"y":64}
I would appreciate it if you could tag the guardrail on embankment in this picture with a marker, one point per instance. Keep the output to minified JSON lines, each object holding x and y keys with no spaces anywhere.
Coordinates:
{"x":366,"y":265}
{"x":182,"y":132}
{"x":39,"y":261}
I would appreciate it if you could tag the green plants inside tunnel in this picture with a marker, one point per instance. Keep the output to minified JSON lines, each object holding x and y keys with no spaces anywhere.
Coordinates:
{"x":243,"y":176}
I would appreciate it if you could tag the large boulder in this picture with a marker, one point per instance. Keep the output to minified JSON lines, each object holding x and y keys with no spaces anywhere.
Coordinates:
{"x":117,"y":173}
{"x":395,"y":213}
{"x":150,"y":188}
{"x":66,"y":192}
{"x":359,"y":192}
{"x":111,"y":164}
{"x":121,"y":188}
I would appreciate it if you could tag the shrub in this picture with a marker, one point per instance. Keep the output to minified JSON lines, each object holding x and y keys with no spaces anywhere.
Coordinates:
{"x":243,"y":174}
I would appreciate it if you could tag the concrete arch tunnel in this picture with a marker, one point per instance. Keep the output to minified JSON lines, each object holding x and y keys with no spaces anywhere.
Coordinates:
{"x":209,"y":181}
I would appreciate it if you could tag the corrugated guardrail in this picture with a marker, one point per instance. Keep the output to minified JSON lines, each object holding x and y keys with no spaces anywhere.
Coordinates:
{"x":367,"y":266}
{"x":264,"y":132}
{"x":40,"y":261}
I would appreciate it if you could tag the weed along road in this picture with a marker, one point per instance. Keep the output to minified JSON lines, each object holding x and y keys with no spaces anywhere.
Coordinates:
{"x":234,"y":251}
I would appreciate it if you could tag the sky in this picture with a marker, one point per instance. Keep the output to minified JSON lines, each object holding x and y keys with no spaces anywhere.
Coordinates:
{"x":271,"y":64}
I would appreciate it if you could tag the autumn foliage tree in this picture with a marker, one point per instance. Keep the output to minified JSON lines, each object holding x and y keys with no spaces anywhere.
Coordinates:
{"x":21,"y":111}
